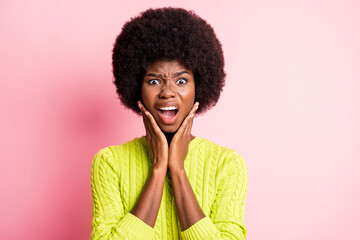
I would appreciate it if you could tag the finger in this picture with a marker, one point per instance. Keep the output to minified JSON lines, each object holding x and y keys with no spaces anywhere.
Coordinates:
{"x":184,"y":125}
{"x":143,"y":111}
{"x":191,"y":118}
{"x":146,"y":121}
{"x":149,"y":124}
{"x":147,"y":128}
{"x":150,"y":135}
{"x":142,"y":108}
{"x":191,"y":115}
{"x":190,"y":124}
{"x":194,"y":108}
{"x":153,"y":123}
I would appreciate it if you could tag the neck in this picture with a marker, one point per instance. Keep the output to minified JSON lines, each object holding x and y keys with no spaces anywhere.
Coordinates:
{"x":169,"y":137}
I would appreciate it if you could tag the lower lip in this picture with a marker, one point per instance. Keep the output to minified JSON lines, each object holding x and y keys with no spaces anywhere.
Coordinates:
{"x":168,"y":120}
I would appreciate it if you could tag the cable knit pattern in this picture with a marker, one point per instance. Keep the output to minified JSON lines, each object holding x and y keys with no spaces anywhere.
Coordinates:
{"x":218,"y":176}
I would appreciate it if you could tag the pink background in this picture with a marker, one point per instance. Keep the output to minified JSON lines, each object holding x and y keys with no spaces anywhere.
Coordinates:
{"x":291,"y":108}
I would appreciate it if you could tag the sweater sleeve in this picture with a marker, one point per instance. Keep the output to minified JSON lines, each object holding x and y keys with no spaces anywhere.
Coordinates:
{"x":226,"y":220}
{"x":109,"y":221}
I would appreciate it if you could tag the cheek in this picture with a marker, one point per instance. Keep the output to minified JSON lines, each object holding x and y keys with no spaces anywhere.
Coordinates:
{"x":148,"y":98}
{"x":145,"y":100}
{"x":191,"y":93}
{"x":189,"y":98}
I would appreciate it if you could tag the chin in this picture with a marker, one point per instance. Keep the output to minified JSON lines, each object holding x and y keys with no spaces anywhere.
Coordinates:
{"x":169,"y":129}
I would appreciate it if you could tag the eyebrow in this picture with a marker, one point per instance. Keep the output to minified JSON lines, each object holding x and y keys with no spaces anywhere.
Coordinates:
{"x":162,"y":75}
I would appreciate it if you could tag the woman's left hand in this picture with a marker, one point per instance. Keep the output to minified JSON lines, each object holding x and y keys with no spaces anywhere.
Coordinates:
{"x":180,"y":142}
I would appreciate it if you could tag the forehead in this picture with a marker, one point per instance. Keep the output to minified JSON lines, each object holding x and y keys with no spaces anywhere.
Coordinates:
{"x":167,"y":67}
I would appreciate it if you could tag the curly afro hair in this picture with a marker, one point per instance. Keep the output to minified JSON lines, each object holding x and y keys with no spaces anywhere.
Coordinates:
{"x":168,"y":34}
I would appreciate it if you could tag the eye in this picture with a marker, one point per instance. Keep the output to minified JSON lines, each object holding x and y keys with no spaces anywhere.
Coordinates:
{"x":154,"y":81}
{"x":181,"y":81}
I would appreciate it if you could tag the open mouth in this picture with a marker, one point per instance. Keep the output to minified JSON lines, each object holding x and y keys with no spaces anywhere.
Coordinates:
{"x":168,"y":114}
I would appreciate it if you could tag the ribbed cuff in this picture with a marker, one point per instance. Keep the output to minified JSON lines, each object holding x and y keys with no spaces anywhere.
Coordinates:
{"x":135,"y":225}
{"x":199,"y":230}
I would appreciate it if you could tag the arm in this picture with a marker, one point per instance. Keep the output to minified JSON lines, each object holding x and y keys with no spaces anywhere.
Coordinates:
{"x":227,"y":212}
{"x":149,"y":201}
{"x":186,"y":204}
{"x":226,"y":220}
{"x":148,"y":204}
{"x":109,"y":220}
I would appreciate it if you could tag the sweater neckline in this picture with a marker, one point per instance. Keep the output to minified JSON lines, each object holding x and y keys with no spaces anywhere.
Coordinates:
{"x":193,"y":143}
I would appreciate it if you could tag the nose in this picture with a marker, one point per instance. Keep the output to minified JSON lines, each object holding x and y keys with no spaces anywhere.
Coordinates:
{"x":167,"y":91}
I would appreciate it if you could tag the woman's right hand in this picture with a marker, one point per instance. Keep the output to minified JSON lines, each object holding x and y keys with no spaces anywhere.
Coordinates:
{"x":155,"y":138}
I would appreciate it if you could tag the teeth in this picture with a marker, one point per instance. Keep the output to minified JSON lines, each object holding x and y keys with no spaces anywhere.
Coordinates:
{"x":168,"y":108}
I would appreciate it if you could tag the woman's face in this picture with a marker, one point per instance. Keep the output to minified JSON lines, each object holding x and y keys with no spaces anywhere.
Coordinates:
{"x":168,"y":93}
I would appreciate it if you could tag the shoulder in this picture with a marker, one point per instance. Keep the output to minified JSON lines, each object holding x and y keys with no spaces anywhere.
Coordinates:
{"x":111,"y":155}
{"x":224,"y":152}
{"x":227,"y":158}
{"x":132,"y":145}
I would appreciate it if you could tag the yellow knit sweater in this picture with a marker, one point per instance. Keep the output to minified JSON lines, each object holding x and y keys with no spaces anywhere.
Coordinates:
{"x":217,"y":175}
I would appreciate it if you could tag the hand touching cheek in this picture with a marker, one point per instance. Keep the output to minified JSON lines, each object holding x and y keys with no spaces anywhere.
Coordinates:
{"x":155,"y":138}
{"x":180,"y":142}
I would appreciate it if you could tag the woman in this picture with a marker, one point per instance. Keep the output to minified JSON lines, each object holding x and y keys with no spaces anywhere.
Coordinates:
{"x":168,"y":65}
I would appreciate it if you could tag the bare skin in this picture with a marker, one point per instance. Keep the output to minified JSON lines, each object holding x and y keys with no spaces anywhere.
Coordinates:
{"x":168,"y":148}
